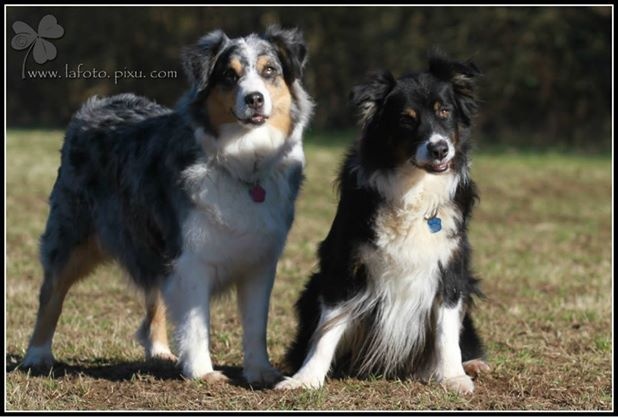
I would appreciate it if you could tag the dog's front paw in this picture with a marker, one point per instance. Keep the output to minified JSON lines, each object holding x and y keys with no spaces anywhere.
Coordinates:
{"x":38,"y":357}
{"x":214,"y":377}
{"x":299,"y":382}
{"x":201,"y":371}
{"x":461,"y":384}
{"x":161,"y":353}
{"x":475,"y":367}
{"x":163,"y":356}
{"x":262,"y":376}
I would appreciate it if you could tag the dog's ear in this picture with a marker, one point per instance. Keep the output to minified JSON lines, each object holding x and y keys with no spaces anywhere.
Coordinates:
{"x":198,"y":60}
{"x":291,"y":49}
{"x":463,"y":77}
{"x":368,"y":97}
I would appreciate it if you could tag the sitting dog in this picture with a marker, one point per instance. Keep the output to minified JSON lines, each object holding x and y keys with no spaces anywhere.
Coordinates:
{"x":189,"y":201}
{"x":393,"y":289}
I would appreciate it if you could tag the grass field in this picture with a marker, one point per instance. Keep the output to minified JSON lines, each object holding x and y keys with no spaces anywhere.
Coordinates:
{"x":542,"y":236}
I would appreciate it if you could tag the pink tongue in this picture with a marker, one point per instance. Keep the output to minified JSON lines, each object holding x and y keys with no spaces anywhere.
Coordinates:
{"x":257,"y":193}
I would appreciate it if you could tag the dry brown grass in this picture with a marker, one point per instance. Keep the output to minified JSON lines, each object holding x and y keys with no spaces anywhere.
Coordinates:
{"x":542,"y":239}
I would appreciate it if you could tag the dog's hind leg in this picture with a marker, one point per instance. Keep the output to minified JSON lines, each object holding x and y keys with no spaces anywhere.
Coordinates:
{"x":65,"y":267}
{"x":472,"y":350}
{"x":152,"y":334}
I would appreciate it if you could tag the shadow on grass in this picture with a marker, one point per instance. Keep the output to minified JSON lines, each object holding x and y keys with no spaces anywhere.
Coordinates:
{"x":116,"y":371}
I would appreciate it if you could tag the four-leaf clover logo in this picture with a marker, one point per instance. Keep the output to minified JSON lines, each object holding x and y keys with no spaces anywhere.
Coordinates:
{"x":42,"y":49}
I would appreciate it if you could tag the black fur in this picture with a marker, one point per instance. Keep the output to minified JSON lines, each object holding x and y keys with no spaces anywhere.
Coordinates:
{"x":198,"y":60}
{"x":291,"y":49}
{"x":389,"y":141}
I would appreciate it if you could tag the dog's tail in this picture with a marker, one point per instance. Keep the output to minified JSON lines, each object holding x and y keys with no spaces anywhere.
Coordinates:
{"x":99,"y":112}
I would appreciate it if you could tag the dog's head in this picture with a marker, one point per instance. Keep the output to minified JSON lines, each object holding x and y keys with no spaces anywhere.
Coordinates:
{"x":249,"y":81}
{"x":421,"y":118}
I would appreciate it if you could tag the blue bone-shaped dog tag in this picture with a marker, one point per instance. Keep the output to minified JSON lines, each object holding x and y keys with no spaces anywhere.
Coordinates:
{"x":435,"y":224}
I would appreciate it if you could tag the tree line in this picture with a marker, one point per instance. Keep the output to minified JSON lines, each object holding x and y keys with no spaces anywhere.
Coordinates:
{"x":547,"y":70}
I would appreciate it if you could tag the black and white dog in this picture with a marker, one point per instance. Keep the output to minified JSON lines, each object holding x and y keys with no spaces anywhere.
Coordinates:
{"x":189,"y":201}
{"x":394,"y":286}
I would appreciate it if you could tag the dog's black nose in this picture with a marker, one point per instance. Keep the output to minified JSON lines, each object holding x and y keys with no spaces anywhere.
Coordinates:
{"x":438,"y":150}
{"x":254,"y":100}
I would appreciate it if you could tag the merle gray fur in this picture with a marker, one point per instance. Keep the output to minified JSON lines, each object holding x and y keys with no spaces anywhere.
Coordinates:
{"x":122,"y":159}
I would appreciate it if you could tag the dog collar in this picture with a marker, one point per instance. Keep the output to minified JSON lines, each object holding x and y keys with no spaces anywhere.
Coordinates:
{"x":435,"y":224}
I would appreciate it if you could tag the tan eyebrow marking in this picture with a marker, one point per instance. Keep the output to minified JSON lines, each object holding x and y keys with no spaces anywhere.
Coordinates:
{"x":237,"y":66}
{"x":262,"y":62}
{"x":410,"y":112}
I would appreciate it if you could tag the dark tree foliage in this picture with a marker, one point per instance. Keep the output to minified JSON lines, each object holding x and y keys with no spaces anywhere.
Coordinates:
{"x":547,"y":70}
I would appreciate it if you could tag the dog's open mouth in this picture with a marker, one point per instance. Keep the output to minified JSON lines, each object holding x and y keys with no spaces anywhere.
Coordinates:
{"x":256,"y":119}
{"x":437,"y":167}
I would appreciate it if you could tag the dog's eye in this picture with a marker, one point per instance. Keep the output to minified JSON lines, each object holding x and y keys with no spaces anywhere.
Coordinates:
{"x":269,"y":71}
{"x":443,"y":113}
{"x":230,"y":77}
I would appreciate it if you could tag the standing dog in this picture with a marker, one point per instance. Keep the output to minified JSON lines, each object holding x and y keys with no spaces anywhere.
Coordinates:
{"x":393,"y":288}
{"x":188,"y":201}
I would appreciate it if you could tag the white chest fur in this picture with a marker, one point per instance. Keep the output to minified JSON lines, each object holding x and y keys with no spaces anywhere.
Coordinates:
{"x":226,"y":227}
{"x":403,"y":265}
{"x":406,"y":249}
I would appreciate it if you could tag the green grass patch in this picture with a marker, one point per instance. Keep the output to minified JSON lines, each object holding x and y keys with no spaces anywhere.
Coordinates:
{"x":542,"y":247}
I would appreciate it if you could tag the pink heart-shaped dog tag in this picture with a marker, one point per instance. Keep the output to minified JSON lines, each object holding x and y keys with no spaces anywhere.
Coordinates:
{"x":257,"y":193}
